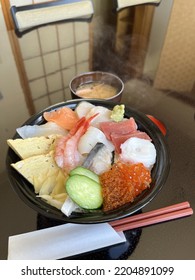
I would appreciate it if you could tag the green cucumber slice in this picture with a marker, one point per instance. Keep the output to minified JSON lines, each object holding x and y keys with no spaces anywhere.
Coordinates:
{"x":84,"y":191}
{"x":86,"y":172}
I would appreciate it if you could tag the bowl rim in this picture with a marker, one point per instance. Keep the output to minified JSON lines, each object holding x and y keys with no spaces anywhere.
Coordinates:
{"x":97,"y":72}
{"x":40,"y":206}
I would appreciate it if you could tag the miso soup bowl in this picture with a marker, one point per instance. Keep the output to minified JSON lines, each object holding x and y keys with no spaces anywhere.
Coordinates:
{"x":97,"y":77}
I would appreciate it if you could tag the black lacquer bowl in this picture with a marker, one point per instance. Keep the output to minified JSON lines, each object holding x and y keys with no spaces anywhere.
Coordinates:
{"x":160,"y":171}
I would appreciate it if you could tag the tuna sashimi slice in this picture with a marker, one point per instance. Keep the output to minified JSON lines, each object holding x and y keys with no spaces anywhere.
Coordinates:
{"x":122,"y":127}
{"x":118,"y":139}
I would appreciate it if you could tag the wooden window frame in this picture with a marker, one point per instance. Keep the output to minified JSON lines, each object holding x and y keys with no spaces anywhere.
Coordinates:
{"x":17,"y":56}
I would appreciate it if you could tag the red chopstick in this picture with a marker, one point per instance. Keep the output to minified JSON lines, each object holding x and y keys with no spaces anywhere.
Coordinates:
{"x":153,"y":217}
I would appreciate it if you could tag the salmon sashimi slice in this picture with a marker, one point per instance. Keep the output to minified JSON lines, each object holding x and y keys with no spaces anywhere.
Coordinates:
{"x":64,"y":117}
{"x":122,"y":127}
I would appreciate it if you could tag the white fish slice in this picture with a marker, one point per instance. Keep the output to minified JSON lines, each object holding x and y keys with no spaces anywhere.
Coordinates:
{"x":99,"y":160}
{"x":91,"y":138}
{"x":83,"y":108}
{"x":46,"y":129}
{"x":104,"y":115}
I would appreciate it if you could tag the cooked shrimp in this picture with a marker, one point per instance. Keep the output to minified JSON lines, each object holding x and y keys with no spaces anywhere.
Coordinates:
{"x":61,"y":143}
{"x":72,"y":157}
{"x":66,"y":153}
{"x":59,"y":150}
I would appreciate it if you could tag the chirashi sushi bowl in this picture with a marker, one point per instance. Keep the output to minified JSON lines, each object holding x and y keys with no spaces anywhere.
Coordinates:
{"x":90,"y":212}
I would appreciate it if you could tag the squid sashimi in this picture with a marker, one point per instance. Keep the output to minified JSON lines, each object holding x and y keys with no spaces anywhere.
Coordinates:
{"x":70,"y":206}
{"x":90,"y":139}
{"x":64,"y":117}
{"x":83,"y":108}
{"x":103,"y":115}
{"x":49,"y":128}
{"x":136,"y":150}
{"x":118,"y":139}
{"x":122,"y":127}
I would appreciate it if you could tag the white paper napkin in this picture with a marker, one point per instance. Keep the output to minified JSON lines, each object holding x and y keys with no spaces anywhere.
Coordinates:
{"x":62,"y":241}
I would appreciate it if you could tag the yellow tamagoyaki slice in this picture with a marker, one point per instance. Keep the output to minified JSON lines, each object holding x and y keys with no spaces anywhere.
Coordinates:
{"x":28,"y":147}
{"x":37,"y":169}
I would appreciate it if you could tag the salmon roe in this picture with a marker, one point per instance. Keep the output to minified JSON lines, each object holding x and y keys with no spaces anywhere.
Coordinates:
{"x":122,"y":183}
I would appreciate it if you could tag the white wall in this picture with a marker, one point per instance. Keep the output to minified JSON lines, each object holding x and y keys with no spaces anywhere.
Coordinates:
{"x":13,"y":109}
{"x":157,"y":36}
